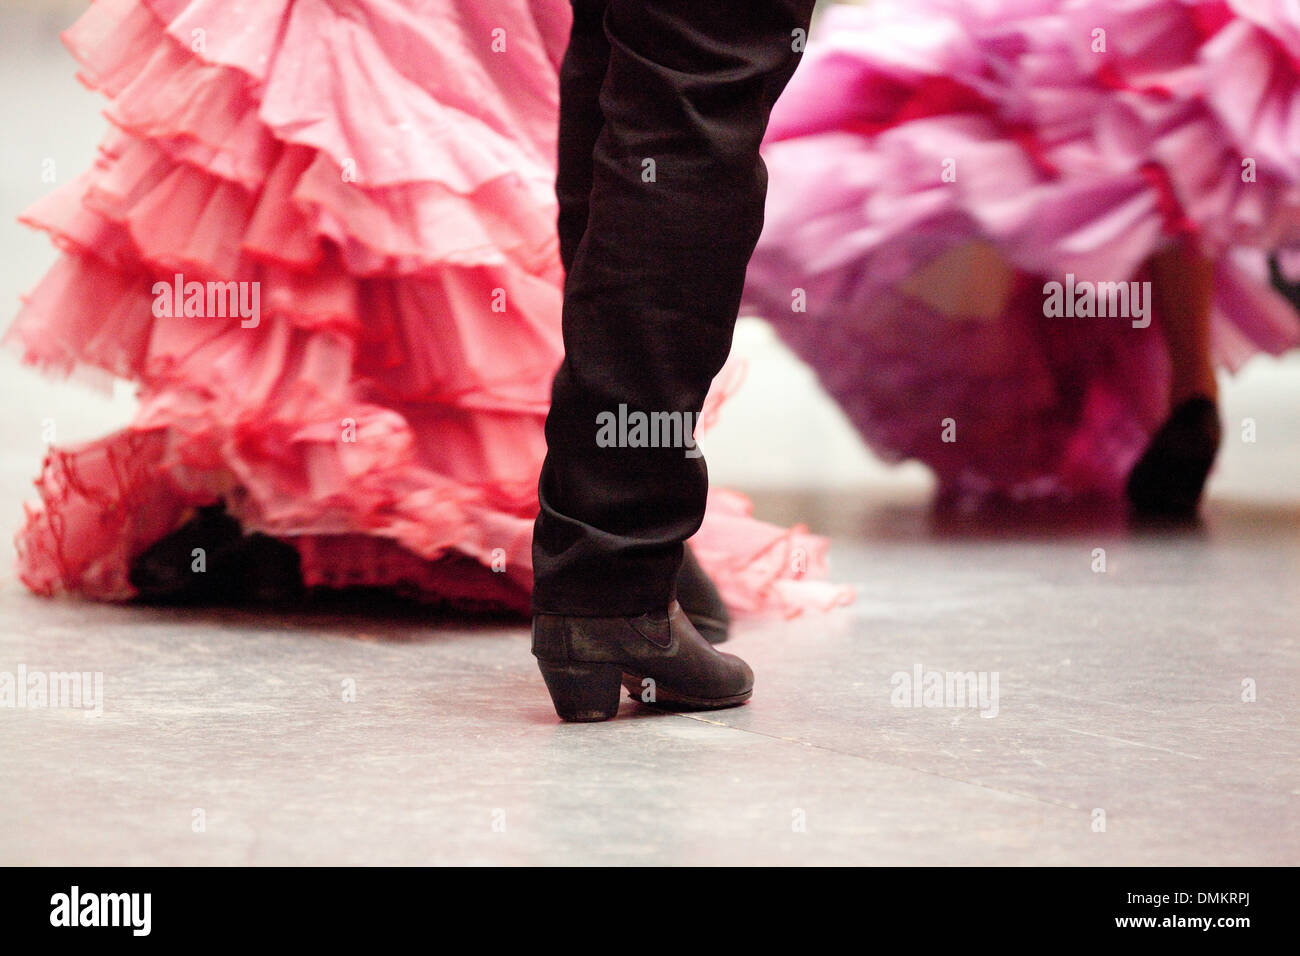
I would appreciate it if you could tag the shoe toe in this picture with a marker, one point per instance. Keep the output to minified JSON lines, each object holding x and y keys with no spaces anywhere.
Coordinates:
{"x":740,"y":676}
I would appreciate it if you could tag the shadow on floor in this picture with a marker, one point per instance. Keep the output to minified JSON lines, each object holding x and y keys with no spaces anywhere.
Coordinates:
{"x":864,"y":517}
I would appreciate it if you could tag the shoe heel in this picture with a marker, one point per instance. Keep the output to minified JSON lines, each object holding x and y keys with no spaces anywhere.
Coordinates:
{"x":583,"y":692}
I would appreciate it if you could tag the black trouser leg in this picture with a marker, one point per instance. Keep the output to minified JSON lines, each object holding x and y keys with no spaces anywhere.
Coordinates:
{"x":676,"y":207}
{"x":581,"y":74}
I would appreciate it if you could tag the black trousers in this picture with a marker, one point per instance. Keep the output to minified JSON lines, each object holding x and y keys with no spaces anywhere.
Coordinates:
{"x":663,"y":104}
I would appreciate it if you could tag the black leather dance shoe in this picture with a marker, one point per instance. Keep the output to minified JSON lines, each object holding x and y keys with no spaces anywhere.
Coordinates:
{"x":239,"y":568}
{"x":661,"y":659}
{"x":700,"y":599}
{"x":1168,"y":479}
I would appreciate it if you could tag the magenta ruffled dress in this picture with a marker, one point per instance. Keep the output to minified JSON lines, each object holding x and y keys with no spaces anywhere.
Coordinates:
{"x":383,"y":171}
{"x":934,"y":164}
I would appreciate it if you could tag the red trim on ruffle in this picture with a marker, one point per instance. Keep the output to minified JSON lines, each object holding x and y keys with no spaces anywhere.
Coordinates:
{"x":1172,"y":214}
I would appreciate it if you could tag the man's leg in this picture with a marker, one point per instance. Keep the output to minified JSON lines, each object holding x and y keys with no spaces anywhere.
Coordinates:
{"x":581,"y":75}
{"x":676,"y":208}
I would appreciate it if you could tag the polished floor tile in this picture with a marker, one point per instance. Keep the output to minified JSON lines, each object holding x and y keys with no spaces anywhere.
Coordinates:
{"x":1116,"y":730}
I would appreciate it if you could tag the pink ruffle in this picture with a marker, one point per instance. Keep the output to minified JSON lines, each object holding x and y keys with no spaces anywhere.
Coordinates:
{"x":480,"y":192}
{"x":925,"y":294}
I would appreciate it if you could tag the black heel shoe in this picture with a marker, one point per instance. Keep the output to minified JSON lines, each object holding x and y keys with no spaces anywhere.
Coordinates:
{"x":240,"y":568}
{"x":163,"y":573}
{"x":1168,"y":479}
{"x":660,"y":658}
{"x":583,"y":693}
{"x":700,"y":599}
{"x":271,"y":571}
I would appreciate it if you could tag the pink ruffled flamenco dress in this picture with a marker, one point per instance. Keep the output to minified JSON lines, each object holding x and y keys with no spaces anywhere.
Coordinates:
{"x":320,"y":239}
{"x":934,"y":164}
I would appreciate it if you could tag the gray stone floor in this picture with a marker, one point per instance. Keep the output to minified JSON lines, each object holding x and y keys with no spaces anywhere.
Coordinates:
{"x":1120,"y":694}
